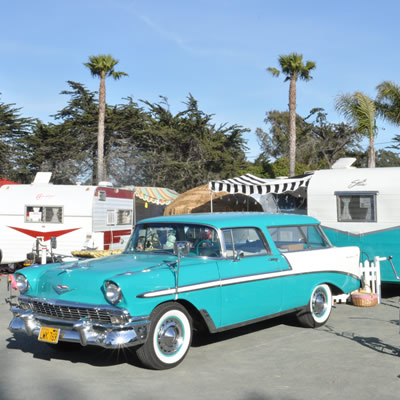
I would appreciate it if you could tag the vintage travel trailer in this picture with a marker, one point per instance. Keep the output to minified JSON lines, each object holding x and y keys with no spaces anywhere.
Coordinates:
{"x":356,"y":206}
{"x":360,"y":206}
{"x":77,"y":217}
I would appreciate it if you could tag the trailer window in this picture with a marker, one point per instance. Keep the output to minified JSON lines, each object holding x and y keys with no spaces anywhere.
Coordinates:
{"x":356,"y":207}
{"x":110,"y":217}
{"x":40,"y":214}
{"x":119,"y":217}
{"x":102,"y":195}
{"x":124,"y":217}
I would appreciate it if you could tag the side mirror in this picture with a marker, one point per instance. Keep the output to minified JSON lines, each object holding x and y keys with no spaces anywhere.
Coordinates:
{"x":182,"y":248}
{"x":53,"y":242}
{"x":237,"y":255}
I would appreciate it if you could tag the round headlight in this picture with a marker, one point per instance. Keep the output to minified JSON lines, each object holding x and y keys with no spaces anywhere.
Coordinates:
{"x":113,"y":293}
{"x":22,"y":283}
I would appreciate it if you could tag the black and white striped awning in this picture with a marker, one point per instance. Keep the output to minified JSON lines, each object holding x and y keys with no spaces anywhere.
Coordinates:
{"x":249,"y":184}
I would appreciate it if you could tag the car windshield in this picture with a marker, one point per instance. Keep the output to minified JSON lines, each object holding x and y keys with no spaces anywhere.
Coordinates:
{"x":160,"y":238}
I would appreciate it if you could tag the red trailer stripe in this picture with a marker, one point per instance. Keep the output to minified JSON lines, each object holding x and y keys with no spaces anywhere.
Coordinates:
{"x":45,"y":235}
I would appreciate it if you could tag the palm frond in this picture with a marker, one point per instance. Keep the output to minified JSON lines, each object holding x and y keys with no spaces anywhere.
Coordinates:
{"x":293,"y":67}
{"x":366,"y":113}
{"x":359,"y":110}
{"x":103,"y":66}
{"x":274,"y":71}
{"x":388,"y":101}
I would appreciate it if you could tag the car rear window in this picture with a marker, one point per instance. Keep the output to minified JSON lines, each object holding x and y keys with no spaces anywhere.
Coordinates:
{"x":298,"y":238}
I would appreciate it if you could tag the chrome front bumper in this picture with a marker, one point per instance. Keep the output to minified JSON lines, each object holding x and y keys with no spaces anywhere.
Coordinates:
{"x":83,"y":331}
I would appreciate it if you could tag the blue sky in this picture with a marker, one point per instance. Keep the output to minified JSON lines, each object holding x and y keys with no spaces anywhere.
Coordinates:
{"x":217,"y":50}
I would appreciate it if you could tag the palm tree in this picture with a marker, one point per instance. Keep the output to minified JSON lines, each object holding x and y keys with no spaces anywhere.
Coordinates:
{"x":388,"y":102}
{"x":102,"y":66}
{"x":293,"y":68}
{"x":360,"y":112}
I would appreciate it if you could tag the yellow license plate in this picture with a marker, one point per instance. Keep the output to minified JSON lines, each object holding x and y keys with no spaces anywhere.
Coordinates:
{"x":49,"y":335}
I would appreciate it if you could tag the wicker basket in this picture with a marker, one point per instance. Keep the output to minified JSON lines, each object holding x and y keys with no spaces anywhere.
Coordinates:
{"x":364,"y":299}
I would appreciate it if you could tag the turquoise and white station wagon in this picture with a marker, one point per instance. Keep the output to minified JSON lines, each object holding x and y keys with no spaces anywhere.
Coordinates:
{"x":180,"y":273}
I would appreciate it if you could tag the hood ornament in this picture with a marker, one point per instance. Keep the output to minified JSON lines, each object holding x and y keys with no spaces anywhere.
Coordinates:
{"x":60,"y":289}
{"x":76,"y":265}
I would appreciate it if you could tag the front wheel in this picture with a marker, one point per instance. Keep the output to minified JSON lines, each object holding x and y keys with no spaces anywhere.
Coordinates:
{"x":318,"y":309}
{"x":169,"y":338}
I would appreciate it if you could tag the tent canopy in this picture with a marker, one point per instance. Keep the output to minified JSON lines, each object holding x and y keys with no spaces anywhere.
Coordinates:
{"x":249,"y":184}
{"x":155,"y":195}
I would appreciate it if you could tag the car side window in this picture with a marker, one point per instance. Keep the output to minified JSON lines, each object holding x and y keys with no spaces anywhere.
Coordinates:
{"x":314,"y":237}
{"x":244,"y":242}
{"x":298,"y":238}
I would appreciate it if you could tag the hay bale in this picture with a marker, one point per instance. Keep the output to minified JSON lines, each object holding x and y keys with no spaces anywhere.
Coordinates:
{"x":198,"y":200}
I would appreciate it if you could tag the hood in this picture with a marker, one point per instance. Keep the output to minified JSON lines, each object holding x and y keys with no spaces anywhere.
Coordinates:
{"x":83,"y":281}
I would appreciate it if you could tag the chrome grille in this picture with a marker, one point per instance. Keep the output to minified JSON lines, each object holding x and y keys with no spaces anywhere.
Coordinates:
{"x":71,"y":313}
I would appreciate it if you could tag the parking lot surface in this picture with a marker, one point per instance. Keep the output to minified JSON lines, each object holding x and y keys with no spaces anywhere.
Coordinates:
{"x":356,"y":355}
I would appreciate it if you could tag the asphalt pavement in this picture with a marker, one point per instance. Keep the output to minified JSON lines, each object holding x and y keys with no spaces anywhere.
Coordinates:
{"x":356,"y":355}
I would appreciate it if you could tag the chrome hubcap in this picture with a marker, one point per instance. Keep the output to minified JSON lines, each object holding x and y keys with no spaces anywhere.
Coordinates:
{"x":170,"y":336}
{"x":319,"y":303}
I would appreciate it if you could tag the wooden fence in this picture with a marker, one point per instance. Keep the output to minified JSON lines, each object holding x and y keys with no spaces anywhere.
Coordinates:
{"x":371,"y":275}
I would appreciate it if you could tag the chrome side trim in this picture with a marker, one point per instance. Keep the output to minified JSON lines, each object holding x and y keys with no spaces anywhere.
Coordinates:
{"x":236,"y":281}
{"x":213,"y":329}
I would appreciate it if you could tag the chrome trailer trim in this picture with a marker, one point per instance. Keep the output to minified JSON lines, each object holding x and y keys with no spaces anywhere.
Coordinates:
{"x":83,"y":331}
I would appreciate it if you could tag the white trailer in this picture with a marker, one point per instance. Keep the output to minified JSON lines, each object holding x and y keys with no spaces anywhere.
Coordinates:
{"x":356,"y":206}
{"x":360,"y":207}
{"x":78,"y":216}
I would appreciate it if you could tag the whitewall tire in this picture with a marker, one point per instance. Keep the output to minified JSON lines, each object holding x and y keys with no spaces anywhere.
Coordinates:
{"x":169,"y":338}
{"x":318,"y":309}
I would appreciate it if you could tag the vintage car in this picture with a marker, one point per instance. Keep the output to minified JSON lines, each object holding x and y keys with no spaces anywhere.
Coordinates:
{"x":178,"y":274}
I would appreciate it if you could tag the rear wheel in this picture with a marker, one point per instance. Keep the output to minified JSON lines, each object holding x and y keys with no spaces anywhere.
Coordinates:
{"x":169,"y":338}
{"x":318,"y":309}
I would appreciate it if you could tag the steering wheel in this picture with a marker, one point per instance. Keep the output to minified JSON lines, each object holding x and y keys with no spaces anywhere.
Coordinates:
{"x":201,"y":243}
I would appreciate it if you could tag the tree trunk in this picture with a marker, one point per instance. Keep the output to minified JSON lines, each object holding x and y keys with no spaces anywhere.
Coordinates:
{"x":100,"y":134}
{"x":371,"y":155}
{"x":292,"y":126}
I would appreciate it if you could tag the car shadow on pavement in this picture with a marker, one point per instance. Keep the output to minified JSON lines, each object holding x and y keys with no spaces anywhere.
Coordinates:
{"x":99,"y":357}
{"x":370,"y":342}
{"x":75,"y":353}
{"x":203,"y":337}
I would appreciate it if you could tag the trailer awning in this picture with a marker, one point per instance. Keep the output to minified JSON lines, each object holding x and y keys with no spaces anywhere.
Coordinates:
{"x":156,"y":195}
{"x":249,"y":184}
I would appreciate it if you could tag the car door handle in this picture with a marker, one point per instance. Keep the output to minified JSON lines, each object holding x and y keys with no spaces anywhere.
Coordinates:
{"x":273,"y":259}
